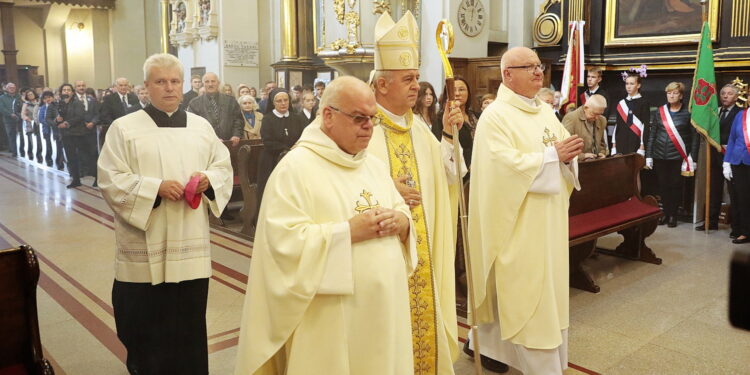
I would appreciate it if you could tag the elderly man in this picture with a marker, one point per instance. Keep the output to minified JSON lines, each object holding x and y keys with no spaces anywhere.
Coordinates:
{"x":589,"y":124}
{"x":153,"y":161}
{"x":728,"y":110}
{"x":335,"y":228}
{"x":195,"y":86}
{"x":523,"y":171}
{"x":115,"y":105}
{"x":221,"y":110}
{"x":10,"y":110}
{"x":423,"y":170}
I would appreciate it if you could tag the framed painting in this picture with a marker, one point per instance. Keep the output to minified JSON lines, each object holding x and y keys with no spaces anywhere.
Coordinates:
{"x":646,"y":22}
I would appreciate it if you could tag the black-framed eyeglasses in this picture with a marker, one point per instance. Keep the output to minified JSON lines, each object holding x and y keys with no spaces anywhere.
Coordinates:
{"x":530,"y":68}
{"x":358,"y":120}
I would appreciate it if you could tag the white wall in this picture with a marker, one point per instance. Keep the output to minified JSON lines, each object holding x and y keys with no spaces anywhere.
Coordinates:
{"x":80,"y":47}
{"x":243,"y":14}
{"x":29,"y":37}
{"x":135,"y":34}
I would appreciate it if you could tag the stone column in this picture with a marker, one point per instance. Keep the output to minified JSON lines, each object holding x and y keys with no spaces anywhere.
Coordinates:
{"x":9,"y":42}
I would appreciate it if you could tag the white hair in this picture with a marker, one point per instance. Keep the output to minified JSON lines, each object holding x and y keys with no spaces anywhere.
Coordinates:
{"x":596,"y":102}
{"x":247,"y":98}
{"x":733,"y":87}
{"x":161,"y":60}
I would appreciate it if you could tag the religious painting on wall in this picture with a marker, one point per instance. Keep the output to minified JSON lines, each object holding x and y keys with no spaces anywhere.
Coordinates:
{"x":642,"y":22}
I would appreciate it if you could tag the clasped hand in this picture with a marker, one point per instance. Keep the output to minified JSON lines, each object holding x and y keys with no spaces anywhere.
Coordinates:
{"x":173,"y":190}
{"x":411,"y":195}
{"x":378,"y":222}
{"x":569,"y":148}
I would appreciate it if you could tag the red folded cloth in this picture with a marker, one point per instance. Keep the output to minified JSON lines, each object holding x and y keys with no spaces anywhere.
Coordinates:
{"x":193,"y":199}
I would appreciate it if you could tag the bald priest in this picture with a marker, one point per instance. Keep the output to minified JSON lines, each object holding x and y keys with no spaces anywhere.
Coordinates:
{"x":328,"y":291}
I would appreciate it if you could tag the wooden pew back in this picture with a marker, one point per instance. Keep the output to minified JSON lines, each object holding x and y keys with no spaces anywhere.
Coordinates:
{"x":20,"y":344}
{"x":605,"y":182}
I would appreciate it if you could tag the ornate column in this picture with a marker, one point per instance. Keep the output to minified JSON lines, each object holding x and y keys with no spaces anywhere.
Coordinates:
{"x":9,"y":42}
{"x":289,"y":30}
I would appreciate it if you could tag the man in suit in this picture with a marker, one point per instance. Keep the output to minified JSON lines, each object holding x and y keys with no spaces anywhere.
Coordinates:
{"x":195,"y":85}
{"x":115,"y":106}
{"x":10,"y":109}
{"x":727,"y":111}
{"x":269,"y":86}
{"x":143,"y":101}
{"x":588,"y":123}
{"x":221,"y":110}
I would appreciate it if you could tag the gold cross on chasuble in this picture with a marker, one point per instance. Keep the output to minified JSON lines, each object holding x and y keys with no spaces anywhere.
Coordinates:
{"x":403,"y":163}
{"x":549,"y":138}
{"x":368,"y":205}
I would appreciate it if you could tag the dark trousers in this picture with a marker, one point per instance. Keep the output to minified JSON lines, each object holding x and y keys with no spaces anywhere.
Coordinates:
{"x":30,"y":140}
{"x":12,"y":131}
{"x":47,"y":146}
{"x":3,"y":137}
{"x":163,"y":327}
{"x":81,"y":155}
{"x":59,"y":154}
{"x":717,"y":186}
{"x":741,"y":198}
{"x":670,"y":184}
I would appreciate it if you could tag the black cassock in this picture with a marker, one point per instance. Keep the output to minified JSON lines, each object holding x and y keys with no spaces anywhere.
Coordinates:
{"x":626,"y":140}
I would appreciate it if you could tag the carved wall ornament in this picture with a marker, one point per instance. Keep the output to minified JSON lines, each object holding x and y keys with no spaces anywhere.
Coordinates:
{"x":548,"y":30}
{"x":339,"y":7}
{"x":742,"y":88}
{"x":182,"y":28}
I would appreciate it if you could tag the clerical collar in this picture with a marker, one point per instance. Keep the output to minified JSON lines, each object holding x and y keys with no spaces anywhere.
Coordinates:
{"x":281,"y":115}
{"x":529,"y":101}
{"x":177,"y":119}
{"x":398,"y":120}
{"x":637,"y":96}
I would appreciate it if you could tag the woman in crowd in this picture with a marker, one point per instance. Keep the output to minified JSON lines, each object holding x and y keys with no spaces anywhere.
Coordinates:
{"x":30,"y":125}
{"x":254,"y":94}
{"x":46,"y":106}
{"x":227,"y":89}
{"x":281,"y":130}
{"x":633,"y":116}
{"x":426,"y":106}
{"x":253,"y":117}
{"x":671,"y":150}
{"x":242,"y":90}
{"x":308,"y":110}
{"x":487,"y":99}
{"x":737,"y":170}
{"x":466,"y":134}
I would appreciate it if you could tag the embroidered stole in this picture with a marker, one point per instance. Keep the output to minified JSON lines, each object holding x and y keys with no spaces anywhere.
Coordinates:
{"x":403,"y":162}
{"x":679,"y":144}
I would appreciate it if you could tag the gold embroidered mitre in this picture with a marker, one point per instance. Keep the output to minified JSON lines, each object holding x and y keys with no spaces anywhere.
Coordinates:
{"x":396,"y":43}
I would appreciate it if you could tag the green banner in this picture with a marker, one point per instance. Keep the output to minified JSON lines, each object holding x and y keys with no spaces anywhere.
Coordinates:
{"x":704,"y":104}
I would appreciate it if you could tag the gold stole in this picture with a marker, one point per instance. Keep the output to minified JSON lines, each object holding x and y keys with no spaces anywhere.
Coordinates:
{"x":402,"y":163}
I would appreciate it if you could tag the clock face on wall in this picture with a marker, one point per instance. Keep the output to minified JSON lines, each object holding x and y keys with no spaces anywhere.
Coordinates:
{"x":471,"y":17}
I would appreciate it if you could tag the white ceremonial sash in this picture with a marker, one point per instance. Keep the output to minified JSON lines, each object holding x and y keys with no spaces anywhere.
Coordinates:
{"x":679,"y":144}
{"x":746,"y":129}
{"x":637,"y":125}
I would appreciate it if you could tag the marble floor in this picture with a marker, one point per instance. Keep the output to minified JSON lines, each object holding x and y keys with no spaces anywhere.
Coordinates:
{"x":647,"y":319}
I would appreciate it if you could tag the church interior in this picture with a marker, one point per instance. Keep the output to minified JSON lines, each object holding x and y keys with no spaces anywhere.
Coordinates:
{"x":645,"y":296}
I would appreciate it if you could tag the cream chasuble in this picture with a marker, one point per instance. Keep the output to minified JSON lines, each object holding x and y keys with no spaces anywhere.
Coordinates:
{"x":169,"y":243}
{"x":317,"y":304}
{"x":518,"y":227}
{"x":414,"y":152}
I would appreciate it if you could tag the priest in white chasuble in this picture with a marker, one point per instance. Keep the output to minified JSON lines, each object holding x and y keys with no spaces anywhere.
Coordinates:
{"x":327,"y":292}
{"x":524,"y":168}
{"x":151,"y":160}
{"x":426,"y":176}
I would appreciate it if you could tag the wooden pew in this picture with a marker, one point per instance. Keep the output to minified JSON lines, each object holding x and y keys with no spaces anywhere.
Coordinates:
{"x":248,"y":157}
{"x":20,"y":345}
{"x":236,"y":190}
{"x":609,"y":202}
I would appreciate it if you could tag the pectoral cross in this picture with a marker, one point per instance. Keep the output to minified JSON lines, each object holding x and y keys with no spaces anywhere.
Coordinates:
{"x":548,"y":139}
{"x":368,"y":205}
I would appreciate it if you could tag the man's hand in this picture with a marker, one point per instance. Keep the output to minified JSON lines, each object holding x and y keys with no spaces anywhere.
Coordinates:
{"x":63,"y":125}
{"x":171,"y":190}
{"x":235,"y":141}
{"x":411,"y":195}
{"x":587,"y":156}
{"x":89,"y":125}
{"x":14,"y":116}
{"x":377,"y":223}
{"x":203,"y":184}
{"x":58,"y":119}
{"x":569,"y":148}
{"x":452,"y":116}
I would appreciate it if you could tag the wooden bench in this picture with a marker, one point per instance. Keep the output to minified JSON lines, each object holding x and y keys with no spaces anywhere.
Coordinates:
{"x":248,"y":177}
{"x":609,"y":202}
{"x":20,"y":345}
{"x":237,"y":197}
